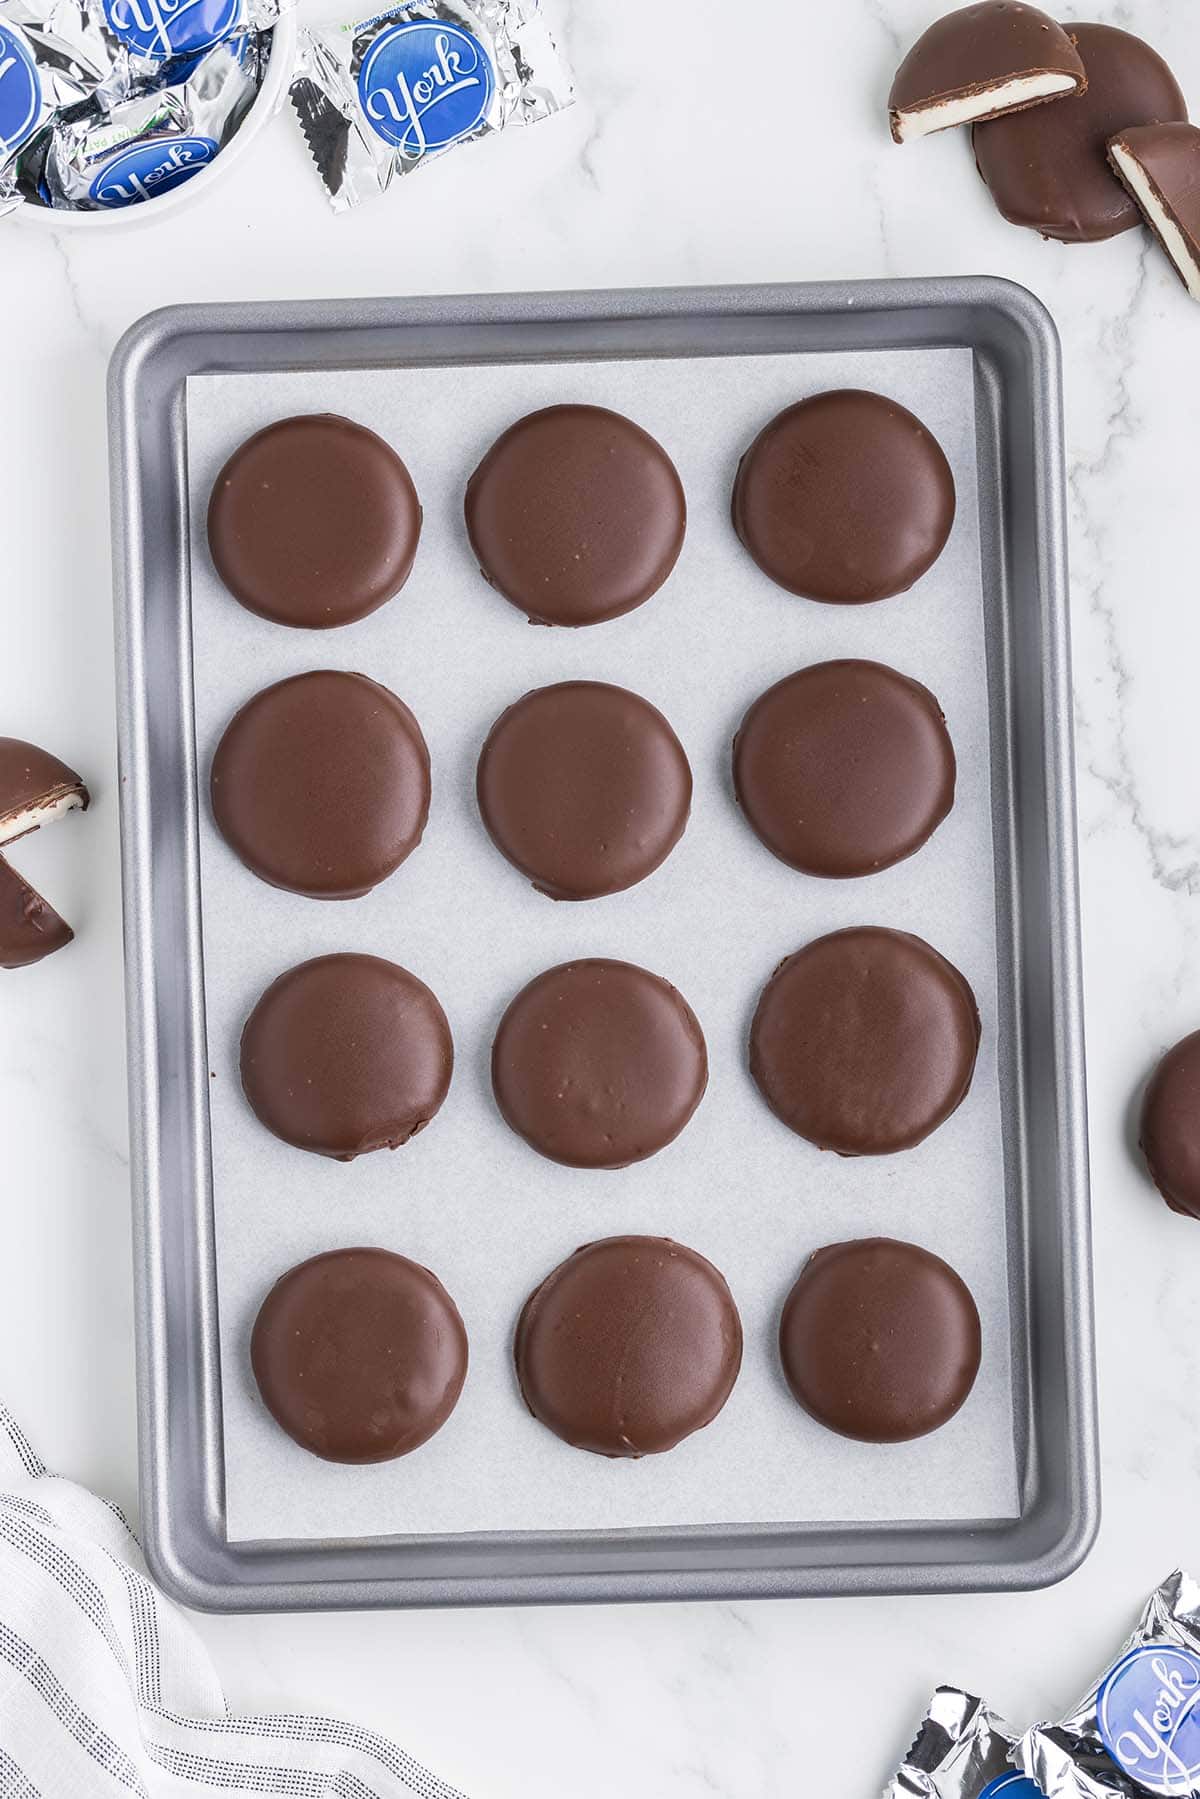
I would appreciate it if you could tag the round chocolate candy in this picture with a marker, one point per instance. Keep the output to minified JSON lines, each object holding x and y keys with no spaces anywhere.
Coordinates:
{"x":844,"y":768}
{"x":360,"y":1355}
{"x":1048,"y":167}
{"x":576,"y":515}
{"x":844,"y":497}
{"x":346,"y":1054}
{"x":865,"y":1041}
{"x":321,"y":784}
{"x":879,"y":1340}
{"x":584,"y":787}
{"x":1170,"y":1127}
{"x":599,"y":1064}
{"x":314,"y":522}
{"x":629,"y":1346}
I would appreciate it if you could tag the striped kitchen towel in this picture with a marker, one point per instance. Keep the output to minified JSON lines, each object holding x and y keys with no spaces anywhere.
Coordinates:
{"x":106,"y":1691}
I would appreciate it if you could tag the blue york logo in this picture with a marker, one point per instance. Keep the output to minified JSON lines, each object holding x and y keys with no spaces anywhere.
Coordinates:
{"x":1011,"y":1786}
{"x":20,"y":91}
{"x":163,"y":28}
{"x":425,"y":84}
{"x":149,"y":169}
{"x":1147,"y":1711}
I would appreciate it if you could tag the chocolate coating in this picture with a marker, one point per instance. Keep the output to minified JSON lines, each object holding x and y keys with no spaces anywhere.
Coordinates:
{"x":844,"y":768}
{"x":576,"y":515}
{"x":360,"y":1355}
{"x":844,"y":497}
{"x":629,"y":1346}
{"x":30,"y":928}
{"x":584,"y":787}
{"x":34,"y":787}
{"x":598,"y":1064}
{"x":1170,"y":1127}
{"x":346,"y":1054}
{"x":321,"y":784}
{"x":1048,"y":168}
{"x":865,"y":1041}
{"x":974,"y":51}
{"x":879,"y":1340}
{"x":314,"y":522}
{"x":1169,"y":158}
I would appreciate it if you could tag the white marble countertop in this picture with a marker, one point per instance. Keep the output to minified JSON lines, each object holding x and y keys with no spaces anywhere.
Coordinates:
{"x":713,"y":143}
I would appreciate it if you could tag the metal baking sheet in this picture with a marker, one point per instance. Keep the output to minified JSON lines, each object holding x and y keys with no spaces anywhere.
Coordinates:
{"x":467,"y":1197}
{"x":1039,"y":1250}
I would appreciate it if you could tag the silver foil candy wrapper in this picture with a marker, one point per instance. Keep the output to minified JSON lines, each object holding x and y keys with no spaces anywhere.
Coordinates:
{"x":161,"y":42}
{"x":382,"y":97}
{"x":52,"y":56}
{"x":963,"y":1750}
{"x":100,"y":158}
{"x":1137,"y":1731}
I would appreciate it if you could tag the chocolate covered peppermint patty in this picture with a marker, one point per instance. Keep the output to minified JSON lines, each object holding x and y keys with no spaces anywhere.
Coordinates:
{"x":978,"y":62}
{"x":359,"y":1354}
{"x":845,"y":497}
{"x":629,"y":1346}
{"x":346,"y":1054}
{"x":844,"y":768}
{"x":865,"y":1041}
{"x":584,"y":787}
{"x":321,"y":784}
{"x":599,"y":1064}
{"x":879,"y":1340}
{"x":1048,"y":168}
{"x":314,"y":522}
{"x":576,"y":515}
{"x":1160,"y":167}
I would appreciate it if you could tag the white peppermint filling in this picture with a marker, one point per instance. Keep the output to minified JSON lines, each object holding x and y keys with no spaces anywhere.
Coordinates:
{"x":963,"y":109}
{"x":43,"y":812}
{"x":1173,"y":240}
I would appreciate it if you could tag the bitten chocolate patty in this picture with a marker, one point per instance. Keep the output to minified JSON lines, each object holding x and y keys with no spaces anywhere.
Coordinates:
{"x":1170,"y":1129}
{"x":844,"y":768}
{"x":879,"y":1340}
{"x":321,"y":784}
{"x":598,"y":1064}
{"x":584,"y":787}
{"x":865,"y":1041}
{"x":359,"y":1354}
{"x":576,"y":515}
{"x":844,"y":497}
{"x":346,"y":1054}
{"x":629,"y":1346}
{"x":314,"y":522}
{"x":1048,"y":167}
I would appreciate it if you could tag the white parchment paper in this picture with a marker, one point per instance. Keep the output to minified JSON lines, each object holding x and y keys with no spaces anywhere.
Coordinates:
{"x":467,"y":1197}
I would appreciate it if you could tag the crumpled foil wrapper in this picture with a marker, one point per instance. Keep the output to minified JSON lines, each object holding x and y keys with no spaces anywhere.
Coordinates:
{"x":380,"y":98}
{"x":1138,"y":1729}
{"x":52,"y":56}
{"x":961,"y":1751}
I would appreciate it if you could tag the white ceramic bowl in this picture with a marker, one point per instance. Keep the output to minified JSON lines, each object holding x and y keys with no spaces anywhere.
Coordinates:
{"x":271,"y":95}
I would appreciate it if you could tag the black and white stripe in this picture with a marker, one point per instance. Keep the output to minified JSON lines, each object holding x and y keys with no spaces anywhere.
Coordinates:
{"x":107,"y":1693}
